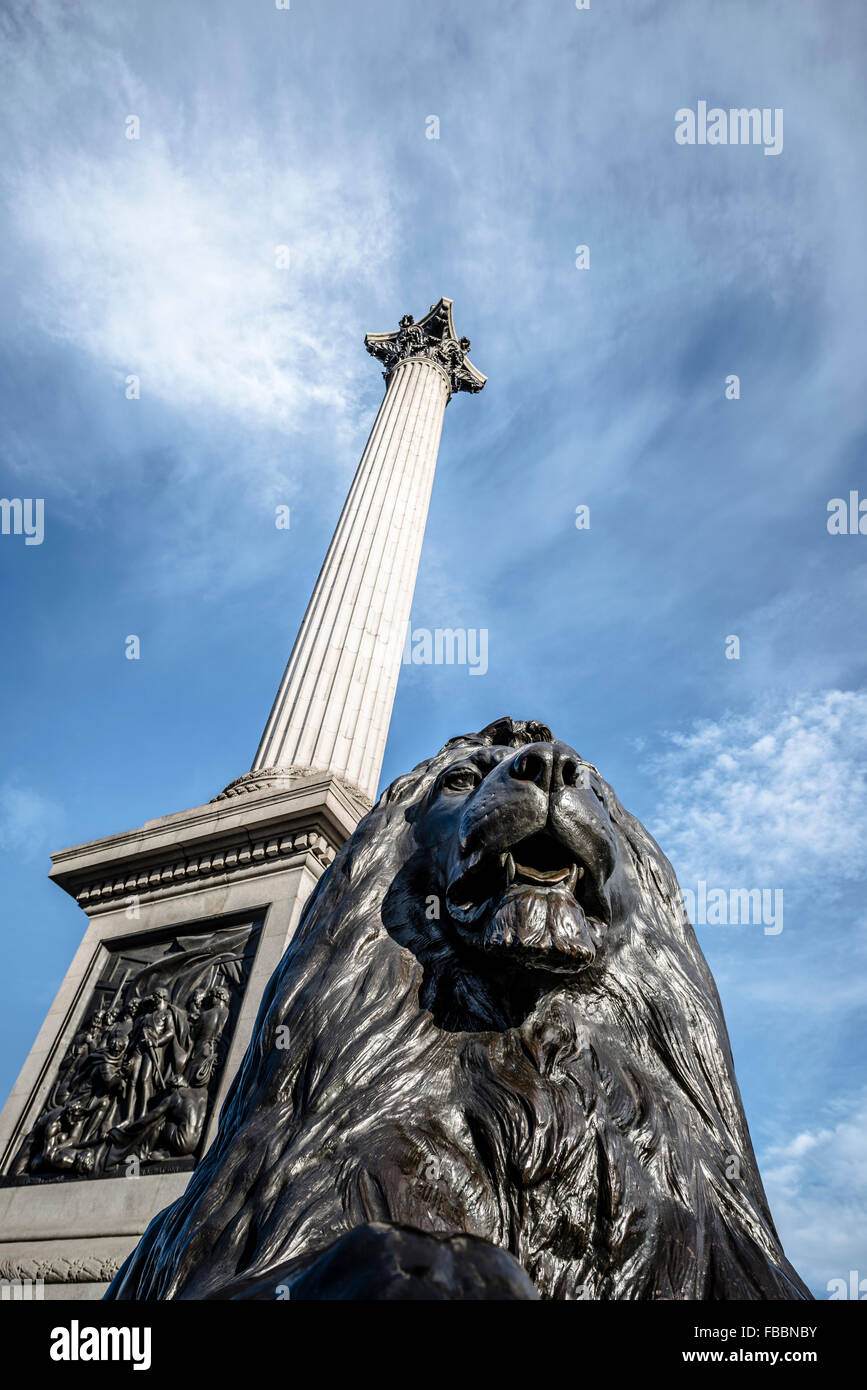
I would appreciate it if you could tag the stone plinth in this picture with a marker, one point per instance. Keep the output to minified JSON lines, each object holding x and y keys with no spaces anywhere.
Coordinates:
{"x":249,"y":858}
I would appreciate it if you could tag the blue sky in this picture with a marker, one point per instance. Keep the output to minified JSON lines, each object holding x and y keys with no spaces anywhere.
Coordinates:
{"x":307,"y":128}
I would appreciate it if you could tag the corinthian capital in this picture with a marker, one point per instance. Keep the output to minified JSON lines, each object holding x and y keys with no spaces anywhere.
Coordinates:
{"x":432,"y":339}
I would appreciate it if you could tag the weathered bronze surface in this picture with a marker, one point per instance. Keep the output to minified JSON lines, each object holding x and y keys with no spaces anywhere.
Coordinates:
{"x":495,"y":1024}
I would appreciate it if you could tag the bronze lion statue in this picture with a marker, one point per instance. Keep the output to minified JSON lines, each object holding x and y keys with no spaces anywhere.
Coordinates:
{"x":491,"y":1064}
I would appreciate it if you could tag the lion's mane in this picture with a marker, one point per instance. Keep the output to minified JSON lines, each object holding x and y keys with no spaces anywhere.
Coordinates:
{"x":601,"y":1139}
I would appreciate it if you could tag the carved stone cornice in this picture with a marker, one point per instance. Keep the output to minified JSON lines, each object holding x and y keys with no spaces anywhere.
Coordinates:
{"x":261,"y":825}
{"x":228,"y":859}
{"x":432,"y":339}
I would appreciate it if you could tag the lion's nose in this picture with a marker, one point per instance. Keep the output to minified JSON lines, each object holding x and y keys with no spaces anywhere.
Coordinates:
{"x":549,"y":765}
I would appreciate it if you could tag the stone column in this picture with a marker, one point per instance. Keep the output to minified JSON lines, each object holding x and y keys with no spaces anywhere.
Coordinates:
{"x":334,"y":704}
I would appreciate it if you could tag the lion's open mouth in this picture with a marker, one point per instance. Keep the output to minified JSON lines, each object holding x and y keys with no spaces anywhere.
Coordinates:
{"x":540,"y":861}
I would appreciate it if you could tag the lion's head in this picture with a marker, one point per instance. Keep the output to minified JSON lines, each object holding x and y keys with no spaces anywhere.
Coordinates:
{"x":515,"y":875}
{"x":500,"y":1025}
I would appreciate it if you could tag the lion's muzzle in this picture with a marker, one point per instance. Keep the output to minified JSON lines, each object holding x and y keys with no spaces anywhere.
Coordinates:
{"x":529,"y":865}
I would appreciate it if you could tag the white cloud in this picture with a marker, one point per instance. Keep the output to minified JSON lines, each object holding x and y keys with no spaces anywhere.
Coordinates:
{"x":157,"y":256}
{"x":817,"y":1188}
{"x":776,"y":796}
{"x":155,"y":271}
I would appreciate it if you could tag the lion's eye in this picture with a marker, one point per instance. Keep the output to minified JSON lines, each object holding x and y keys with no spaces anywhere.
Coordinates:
{"x":461,"y":779}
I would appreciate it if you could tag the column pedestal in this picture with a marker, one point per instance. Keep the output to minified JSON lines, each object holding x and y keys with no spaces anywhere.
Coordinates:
{"x":179,"y":888}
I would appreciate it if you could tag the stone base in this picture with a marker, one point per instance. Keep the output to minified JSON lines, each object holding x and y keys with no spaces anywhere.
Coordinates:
{"x":256,"y":855}
{"x":59,"y":1266}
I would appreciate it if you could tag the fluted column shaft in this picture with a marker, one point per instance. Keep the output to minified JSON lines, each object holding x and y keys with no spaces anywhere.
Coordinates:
{"x":334,"y":703}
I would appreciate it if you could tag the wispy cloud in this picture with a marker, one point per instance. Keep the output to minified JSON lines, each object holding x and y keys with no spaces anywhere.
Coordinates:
{"x":776,"y":795}
{"x":816,"y":1183}
{"x":158,"y":256}
{"x":171,"y":274}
